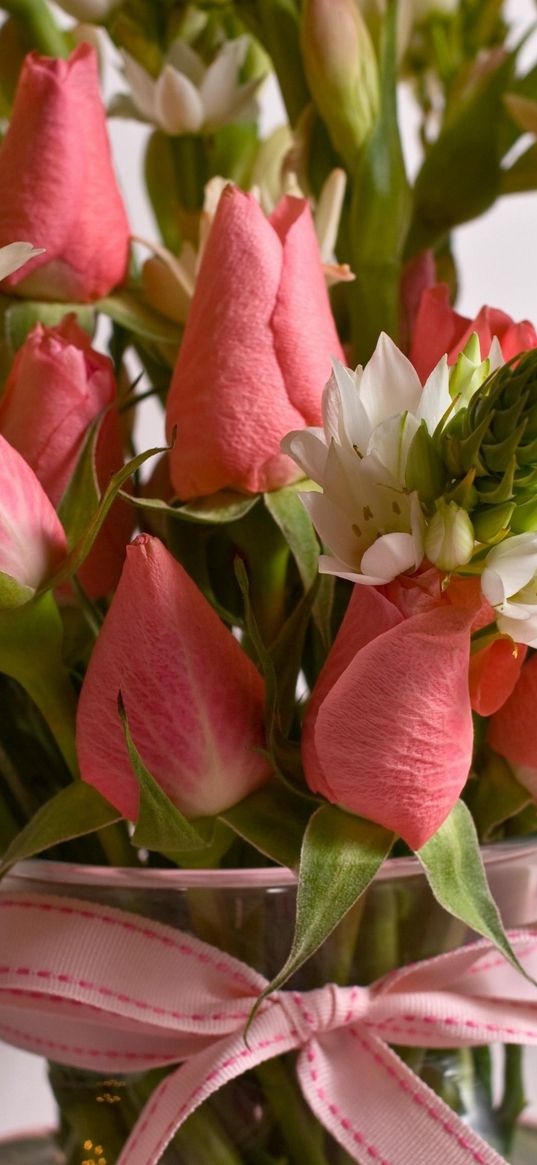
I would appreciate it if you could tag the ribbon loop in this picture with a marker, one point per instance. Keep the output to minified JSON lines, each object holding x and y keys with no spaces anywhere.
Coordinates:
{"x":98,"y":988}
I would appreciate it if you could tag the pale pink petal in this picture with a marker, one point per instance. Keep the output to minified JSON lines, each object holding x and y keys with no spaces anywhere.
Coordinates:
{"x":32,"y":539}
{"x":57,"y":184}
{"x":229,"y":398}
{"x":392,"y":735}
{"x":194,"y":699}
{"x":305,"y":336}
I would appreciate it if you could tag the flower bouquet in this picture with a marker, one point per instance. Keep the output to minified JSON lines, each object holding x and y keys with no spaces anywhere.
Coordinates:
{"x":277,"y":665}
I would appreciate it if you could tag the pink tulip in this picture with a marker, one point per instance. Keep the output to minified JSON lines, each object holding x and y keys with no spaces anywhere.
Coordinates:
{"x":32,"y":539}
{"x":59,"y":381}
{"x":439,"y":329}
{"x":256,"y":350}
{"x":194,"y":700}
{"x":57,"y":185}
{"x":388,"y":731}
{"x":513,"y":730}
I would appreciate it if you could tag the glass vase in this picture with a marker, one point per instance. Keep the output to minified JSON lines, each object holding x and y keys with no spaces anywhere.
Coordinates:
{"x":262,"y":1118}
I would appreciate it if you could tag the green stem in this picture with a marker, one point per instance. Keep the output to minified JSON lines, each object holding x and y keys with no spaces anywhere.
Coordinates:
{"x":302,"y":1137}
{"x":9,"y":826}
{"x":190,"y":165}
{"x":116,"y":845}
{"x":513,"y":1100}
{"x":266,"y":556}
{"x":53,"y":694}
{"x":40,"y":28}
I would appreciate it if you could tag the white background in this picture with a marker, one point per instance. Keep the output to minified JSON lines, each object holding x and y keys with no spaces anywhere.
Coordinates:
{"x":497,"y":258}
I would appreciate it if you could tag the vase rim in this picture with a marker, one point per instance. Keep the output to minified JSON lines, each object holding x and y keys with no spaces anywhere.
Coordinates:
{"x":276,"y":877}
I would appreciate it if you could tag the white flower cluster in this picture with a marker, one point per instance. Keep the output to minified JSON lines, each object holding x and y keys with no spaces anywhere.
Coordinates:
{"x":374,"y":523}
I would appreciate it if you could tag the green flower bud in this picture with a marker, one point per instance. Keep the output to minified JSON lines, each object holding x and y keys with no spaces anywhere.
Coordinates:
{"x":449,"y":538}
{"x":342,"y":72}
{"x":470,"y":371}
{"x":493,"y":441}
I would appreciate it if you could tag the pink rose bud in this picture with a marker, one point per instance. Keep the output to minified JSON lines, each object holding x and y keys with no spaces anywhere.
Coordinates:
{"x":388,"y":731}
{"x":194,"y":700}
{"x":256,"y":350}
{"x":439,"y":329}
{"x":32,"y":539}
{"x":62,"y":385}
{"x":57,"y":185}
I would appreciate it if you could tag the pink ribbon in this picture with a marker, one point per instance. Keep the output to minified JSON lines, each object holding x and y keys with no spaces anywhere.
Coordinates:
{"x":98,"y":988}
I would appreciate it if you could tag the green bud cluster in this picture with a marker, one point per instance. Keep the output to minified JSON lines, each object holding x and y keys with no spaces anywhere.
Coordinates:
{"x":489,"y":448}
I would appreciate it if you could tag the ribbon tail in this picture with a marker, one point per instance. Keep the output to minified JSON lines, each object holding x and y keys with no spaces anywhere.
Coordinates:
{"x":192,"y":1083}
{"x":379,"y":1110}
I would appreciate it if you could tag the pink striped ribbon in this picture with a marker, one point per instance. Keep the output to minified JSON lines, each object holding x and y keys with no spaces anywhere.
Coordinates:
{"x":98,"y":988}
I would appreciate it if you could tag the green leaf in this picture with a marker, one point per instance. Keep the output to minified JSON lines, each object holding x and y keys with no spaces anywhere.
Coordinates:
{"x":272,"y":819}
{"x":31,"y":640}
{"x":495,"y":795}
{"x":215,"y":509}
{"x":85,"y":542}
{"x":129,"y":309}
{"x":81,"y":498}
{"x":522,"y":175}
{"x":461,"y":174}
{"x":454,"y":870}
{"x":13,"y":593}
{"x":74,"y":811}
{"x":341,"y":854}
{"x":285,"y":507}
{"x":19,"y":316}
{"x":160,"y":825}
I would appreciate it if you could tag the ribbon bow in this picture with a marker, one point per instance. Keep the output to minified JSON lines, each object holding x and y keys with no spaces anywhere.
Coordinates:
{"x":99,"y":988}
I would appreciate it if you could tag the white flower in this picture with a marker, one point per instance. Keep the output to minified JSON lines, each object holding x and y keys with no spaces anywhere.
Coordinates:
{"x":15,"y":255}
{"x":372,"y":524}
{"x":509,"y":583}
{"x":189,"y":96}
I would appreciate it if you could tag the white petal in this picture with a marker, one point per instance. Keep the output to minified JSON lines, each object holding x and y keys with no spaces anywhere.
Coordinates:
{"x":308,"y":448}
{"x":389,"y":556}
{"x":390,"y":384}
{"x":328,"y":212}
{"x":185,"y":60}
{"x":496,"y":359}
{"x":15,"y":255}
{"x":178,"y":105}
{"x":520,"y":630}
{"x":391,"y":441}
{"x":515,"y":562}
{"x":492,"y":587}
{"x":344,"y":416}
{"x":141,"y":85}
{"x":219,"y":87}
{"x":435,"y":399}
{"x":330,"y":565}
{"x":334,"y":529}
